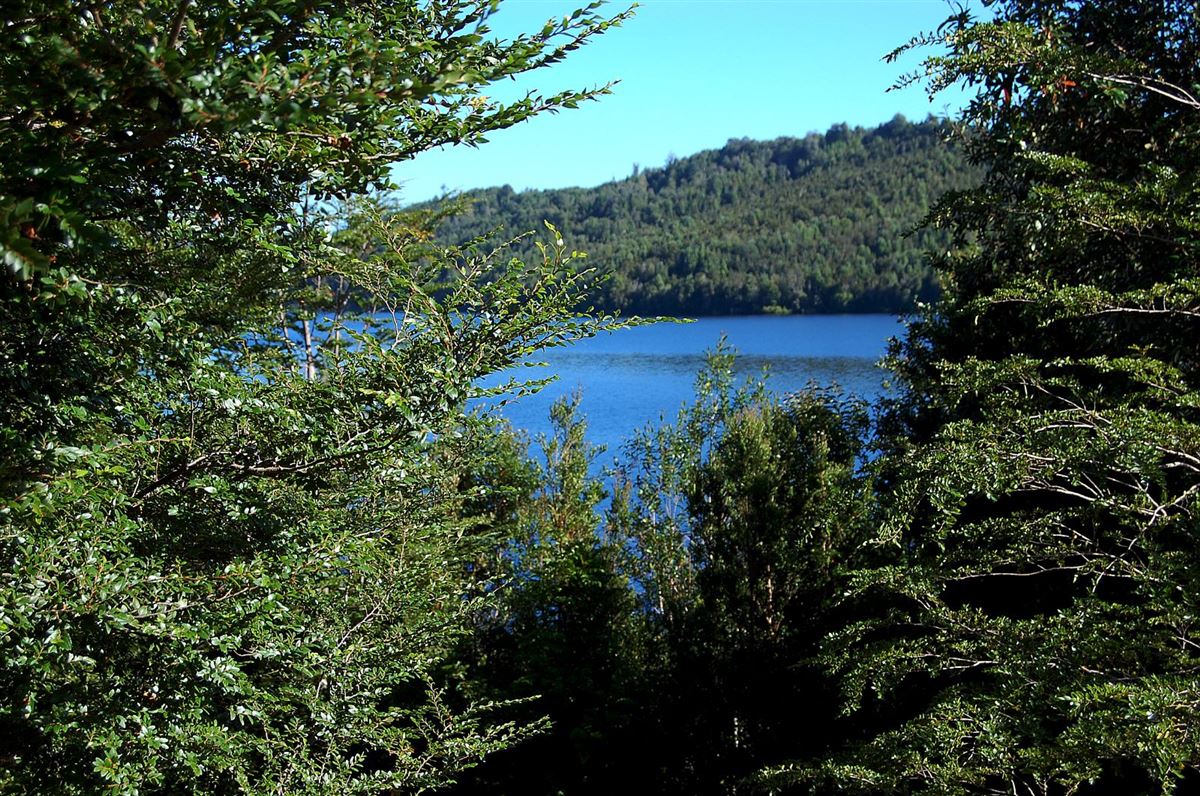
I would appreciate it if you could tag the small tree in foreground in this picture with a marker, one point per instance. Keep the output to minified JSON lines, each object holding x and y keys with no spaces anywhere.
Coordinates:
{"x":737,"y":521}
{"x":563,"y":635}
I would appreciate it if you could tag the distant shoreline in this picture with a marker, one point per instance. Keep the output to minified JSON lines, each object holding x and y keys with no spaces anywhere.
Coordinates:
{"x":825,"y":224}
{"x":715,"y":315}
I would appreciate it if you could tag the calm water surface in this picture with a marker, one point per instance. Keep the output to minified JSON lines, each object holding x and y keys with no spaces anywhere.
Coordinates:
{"x":639,"y":376}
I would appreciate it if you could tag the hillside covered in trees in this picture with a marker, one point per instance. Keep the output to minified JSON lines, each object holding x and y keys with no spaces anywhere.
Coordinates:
{"x":813,"y":224}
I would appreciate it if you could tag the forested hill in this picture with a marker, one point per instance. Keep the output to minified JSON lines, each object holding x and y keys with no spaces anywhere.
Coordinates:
{"x":813,"y":224}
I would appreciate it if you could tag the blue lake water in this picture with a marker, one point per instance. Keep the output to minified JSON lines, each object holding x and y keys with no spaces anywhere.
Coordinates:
{"x":638,"y":376}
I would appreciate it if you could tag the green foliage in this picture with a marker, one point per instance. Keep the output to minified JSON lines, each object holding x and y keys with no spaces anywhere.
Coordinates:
{"x":650,"y":511}
{"x":563,"y":636}
{"x":1030,"y":627}
{"x":177,"y":116}
{"x":737,"y":521}
{"x":772,"y":509}
{"x":667,"y":640}
{"x":813,"y":224}
{"x":232,"y":505}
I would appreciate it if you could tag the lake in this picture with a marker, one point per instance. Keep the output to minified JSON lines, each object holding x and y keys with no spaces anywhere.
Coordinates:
{"x":638,"y":376}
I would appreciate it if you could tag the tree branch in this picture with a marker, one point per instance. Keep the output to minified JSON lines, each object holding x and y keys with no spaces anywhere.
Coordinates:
{"x":177,"y":25}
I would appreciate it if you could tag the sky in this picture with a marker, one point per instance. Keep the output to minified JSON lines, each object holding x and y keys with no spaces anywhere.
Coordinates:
{"x":693,"y":74}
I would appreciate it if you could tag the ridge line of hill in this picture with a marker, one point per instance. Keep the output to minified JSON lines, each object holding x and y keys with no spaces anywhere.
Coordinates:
{"x":818,"y":224}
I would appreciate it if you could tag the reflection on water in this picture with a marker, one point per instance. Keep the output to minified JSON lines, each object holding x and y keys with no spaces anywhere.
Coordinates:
{"x":643,"y":375}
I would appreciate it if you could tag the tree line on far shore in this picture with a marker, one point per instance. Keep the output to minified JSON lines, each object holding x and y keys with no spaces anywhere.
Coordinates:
{"x":819,"y":224}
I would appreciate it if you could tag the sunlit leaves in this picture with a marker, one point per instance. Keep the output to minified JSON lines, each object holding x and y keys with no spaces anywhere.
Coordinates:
{"x":229,"y":513}
{"x":1041,"y":525}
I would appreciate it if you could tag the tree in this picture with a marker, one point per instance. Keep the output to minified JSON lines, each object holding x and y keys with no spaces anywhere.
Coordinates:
{"x":737,"y":522}
{"x":1030,"y":628}
{"x":234,"y":553}
{"x":563,"y":636}
{"x":777,"y":509}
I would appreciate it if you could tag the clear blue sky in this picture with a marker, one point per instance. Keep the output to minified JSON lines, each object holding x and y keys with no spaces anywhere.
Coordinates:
{"x":693,"y":74}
